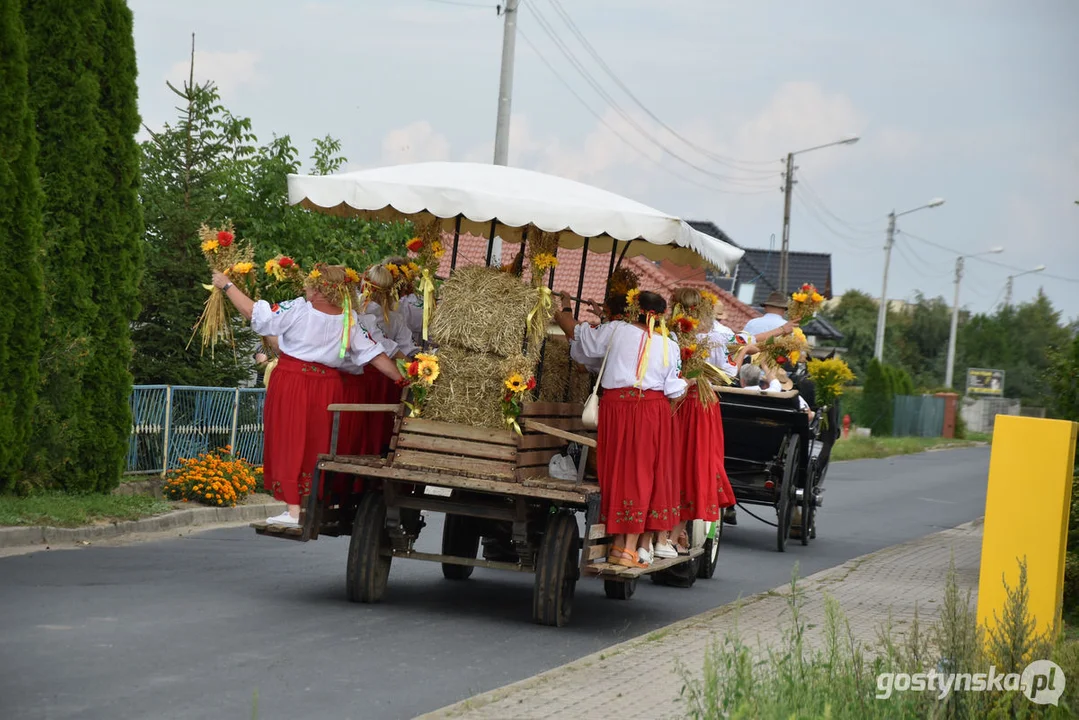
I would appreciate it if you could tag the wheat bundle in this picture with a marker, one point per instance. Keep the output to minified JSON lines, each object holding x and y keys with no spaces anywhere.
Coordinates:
{"x":471,"y":386}
{"x":483,"y":310}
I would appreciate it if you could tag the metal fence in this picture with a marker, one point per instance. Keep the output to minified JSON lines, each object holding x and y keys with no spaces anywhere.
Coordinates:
{"x":171,"y":422}
{"x":918,"y":416}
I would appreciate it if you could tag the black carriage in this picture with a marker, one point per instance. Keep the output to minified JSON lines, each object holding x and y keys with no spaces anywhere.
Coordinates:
{"x":777,"y":456}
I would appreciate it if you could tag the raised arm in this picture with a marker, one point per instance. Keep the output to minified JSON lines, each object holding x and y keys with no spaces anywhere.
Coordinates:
{"x":242,"y":303}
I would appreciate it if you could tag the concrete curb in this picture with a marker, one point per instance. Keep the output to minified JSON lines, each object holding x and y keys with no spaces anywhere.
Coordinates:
{"x":463,"y":707}
{"x":23,"y":536}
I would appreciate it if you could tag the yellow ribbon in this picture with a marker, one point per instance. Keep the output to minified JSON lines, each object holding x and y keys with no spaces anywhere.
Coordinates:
{"x":666,"y":339}
{"x":543,"y":303}
{"x":269,"y":371}
{"x":427,"y":287}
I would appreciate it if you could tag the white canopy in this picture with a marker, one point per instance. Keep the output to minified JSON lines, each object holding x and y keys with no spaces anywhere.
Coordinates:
{"x":513,"y":198}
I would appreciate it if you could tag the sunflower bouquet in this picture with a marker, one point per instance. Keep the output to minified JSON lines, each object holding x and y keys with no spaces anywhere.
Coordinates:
{"x":284,"y":278}
{"x":428,"y":250}
{"x":517,"y":389}
{"x":781,"y":349}
{"x":223,"y":254}
{"x":804,"y":303}
{"x":420,"y":374}
{"x":698,"y":369}
{"x":829,"y":376}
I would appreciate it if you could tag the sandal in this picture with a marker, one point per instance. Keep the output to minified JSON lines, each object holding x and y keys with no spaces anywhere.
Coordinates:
{"x":629,"y":559}
{"x":615,"y":555}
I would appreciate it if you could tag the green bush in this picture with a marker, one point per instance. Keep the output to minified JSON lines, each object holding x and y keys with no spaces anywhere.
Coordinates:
{"x":877,"y":399}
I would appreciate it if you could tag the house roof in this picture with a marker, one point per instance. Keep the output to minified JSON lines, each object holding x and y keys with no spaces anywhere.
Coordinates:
{"x":823,"y":329}
{"x":472,"y":250}
{"x":761,"y":268}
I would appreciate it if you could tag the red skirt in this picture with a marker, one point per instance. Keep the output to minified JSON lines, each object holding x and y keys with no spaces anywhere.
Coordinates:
{"x":387,"y":392}
{"x":297,"y":425}
{"x":633,"y":447}
{"x":701,"y":478}
{"x":354,"y":425}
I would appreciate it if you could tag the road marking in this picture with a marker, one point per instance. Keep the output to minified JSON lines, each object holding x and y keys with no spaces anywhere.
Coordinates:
{"x":943,"y":502}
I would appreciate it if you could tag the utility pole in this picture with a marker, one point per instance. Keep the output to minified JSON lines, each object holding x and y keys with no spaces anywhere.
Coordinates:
{"x":505,"y":97}
{"x":1008,"y":291}
{"x":783,"y":262}
{"x":882,"y":311}
{"x":949,"y":371}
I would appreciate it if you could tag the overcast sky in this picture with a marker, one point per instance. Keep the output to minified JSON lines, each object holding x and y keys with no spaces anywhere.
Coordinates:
{"x":975,"y":101}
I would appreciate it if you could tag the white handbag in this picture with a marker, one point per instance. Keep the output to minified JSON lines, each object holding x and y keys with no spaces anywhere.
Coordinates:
{"x":590,"y":416}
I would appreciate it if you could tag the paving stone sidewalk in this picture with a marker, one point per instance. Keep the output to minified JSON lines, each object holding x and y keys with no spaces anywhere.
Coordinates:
{"x":867,"y":588}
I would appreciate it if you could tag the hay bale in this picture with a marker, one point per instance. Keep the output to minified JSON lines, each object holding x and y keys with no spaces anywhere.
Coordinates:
{"x":469,"y":388}
{"x":483,"y":310}
{"x":563,"y":380}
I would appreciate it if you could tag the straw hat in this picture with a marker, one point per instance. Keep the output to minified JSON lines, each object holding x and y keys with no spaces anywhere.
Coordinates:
{"x":775,"y":300}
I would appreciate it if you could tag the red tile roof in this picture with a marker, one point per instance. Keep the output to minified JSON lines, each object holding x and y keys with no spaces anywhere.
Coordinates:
{"x":663,"y":278}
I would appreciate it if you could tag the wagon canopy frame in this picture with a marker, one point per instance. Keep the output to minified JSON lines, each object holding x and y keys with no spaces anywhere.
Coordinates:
{"x":490,"y":200}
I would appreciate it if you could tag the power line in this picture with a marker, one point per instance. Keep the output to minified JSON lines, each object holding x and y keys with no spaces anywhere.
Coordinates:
{"x":860,"y":228}
{"x":850,"y":240}
{"x":987,"y":261}
{"x":545,"y":25}
{"x":730,"y":162}
{"x":622,"y":137}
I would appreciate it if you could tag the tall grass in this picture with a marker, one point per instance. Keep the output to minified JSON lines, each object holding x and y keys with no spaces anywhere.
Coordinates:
{"x":837,"y":679}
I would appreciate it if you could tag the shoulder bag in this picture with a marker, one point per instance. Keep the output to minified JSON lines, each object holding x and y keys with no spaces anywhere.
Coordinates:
{"x":590,"y":416}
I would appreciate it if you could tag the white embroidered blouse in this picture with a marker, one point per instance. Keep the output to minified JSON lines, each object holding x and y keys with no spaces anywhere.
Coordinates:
{"x":590,"y":345}
{"x":412,"y":307}
{"x":311,"y":335}
{"x":397,"y":335}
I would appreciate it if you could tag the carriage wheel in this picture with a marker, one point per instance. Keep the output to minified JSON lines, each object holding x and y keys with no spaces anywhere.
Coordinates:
{"x":368,"y":569}
{"x":620,"y":589}
{"x":787,"y":491}
{"x":682,"y":575}
{"x":556,"y":571}
{"x":710,"y":559}
{"x":807,"y":503}
{"x":460,"y":538}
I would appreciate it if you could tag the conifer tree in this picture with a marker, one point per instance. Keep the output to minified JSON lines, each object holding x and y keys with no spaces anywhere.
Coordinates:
{"x":20,"y":263}
{"x":64,"y":41}
{"x":114,"y":262}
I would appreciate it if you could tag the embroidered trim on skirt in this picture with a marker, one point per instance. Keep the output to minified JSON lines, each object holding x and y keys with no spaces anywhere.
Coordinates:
{"x":633,"y":445}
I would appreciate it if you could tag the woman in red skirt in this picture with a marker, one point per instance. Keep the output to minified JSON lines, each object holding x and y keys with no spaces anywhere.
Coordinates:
{"x":316,"y":334}
{"x":634,"y":443}
{"x":703,"y":487}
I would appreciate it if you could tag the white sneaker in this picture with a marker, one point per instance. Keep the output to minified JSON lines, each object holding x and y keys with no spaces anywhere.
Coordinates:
{"x":666,"y":550}
{"x":644,"y":556}
{"x":283,"y":519}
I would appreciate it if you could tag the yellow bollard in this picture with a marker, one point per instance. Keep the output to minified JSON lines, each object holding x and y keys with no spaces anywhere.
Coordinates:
{"x":1026,"y":516}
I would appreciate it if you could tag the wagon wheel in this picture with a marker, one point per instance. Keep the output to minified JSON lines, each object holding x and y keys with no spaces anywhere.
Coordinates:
{"x":368,"y":569}
{"x":710,"y":559}
{"x":460,"y":538}
{"x":808,"y":503}
{"x":787,"y":492}
{"x":556,"y":571}
{"x":620,"y":589}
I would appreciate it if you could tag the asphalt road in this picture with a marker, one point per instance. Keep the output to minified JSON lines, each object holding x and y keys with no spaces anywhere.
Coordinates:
{"x":209,"y":624}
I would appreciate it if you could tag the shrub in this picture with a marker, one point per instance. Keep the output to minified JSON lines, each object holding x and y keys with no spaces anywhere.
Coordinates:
{"x":214,"y":478}
{"x":877,"y":400}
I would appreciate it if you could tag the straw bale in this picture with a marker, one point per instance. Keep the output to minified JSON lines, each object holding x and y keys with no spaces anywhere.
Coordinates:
{"x":469,"y":388}
{"x":483,"y":310}
{"x":563,"y":380}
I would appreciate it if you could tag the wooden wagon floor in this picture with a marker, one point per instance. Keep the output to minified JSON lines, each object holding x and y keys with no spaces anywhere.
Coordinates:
{"x":621,"y":571}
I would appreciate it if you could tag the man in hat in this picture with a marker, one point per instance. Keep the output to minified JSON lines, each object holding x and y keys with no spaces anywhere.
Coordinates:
{"x":773,"y":322}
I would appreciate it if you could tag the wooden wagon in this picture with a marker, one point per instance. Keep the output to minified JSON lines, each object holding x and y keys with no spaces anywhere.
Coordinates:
{"x":492,"y":486}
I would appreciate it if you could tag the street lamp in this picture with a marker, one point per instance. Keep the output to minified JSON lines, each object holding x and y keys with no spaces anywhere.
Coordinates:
{"x":882,"y":311}
{"x":948,"y":372}
{"x":1008,"y":286}
{"x":789,"y":185}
